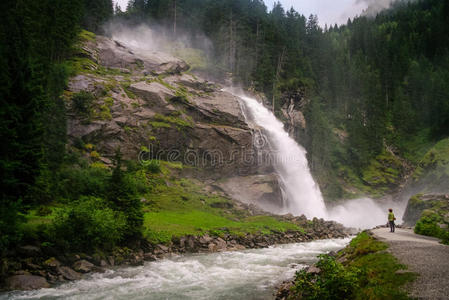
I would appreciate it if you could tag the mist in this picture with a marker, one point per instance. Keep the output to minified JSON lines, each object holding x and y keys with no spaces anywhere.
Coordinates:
{"x":155,"y":38}
{"x":365,"y":213}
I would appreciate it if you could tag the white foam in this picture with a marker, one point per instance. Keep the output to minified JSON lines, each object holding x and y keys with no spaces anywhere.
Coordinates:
{"x":249,"y":274}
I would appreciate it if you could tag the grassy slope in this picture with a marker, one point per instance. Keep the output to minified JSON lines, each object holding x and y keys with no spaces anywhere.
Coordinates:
{"x":363,"y":270}
{"x":177,"y":207}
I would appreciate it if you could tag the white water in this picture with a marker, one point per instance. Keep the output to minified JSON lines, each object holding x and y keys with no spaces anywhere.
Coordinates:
{"x":290,"y":162}
{"x":249,"y":274}
{"x":301,"y":192}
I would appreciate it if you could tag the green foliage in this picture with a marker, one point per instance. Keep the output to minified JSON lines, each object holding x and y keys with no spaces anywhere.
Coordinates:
{"x":123,"y":198}
{"x":87,"y":36}
{"x":152,"y":166}
{"x":178,"y":122}
{"x":74,"y":182}
{"x":367,"y":273}
{"x":87,"y":224}
{"x":333,"y":282}
{"x":433,"y":224}
{"x":83,"y":102}
{"x":183,"y":208}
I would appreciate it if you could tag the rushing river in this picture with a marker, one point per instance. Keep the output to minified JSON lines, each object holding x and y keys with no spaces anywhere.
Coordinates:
{"x":249,"y":274}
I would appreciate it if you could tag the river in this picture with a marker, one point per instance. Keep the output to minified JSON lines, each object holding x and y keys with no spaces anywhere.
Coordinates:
{"x":248,"y":274}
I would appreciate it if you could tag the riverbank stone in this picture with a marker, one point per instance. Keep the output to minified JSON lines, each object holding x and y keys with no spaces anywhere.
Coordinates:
{"x":26,"y":282}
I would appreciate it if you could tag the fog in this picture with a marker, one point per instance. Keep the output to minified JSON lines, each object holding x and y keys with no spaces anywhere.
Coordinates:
{"x":142,"y":37}
{"x":365,"y":213}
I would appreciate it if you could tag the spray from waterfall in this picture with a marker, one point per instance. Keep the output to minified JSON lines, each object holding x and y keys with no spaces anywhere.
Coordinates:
{"x":302,"y":194}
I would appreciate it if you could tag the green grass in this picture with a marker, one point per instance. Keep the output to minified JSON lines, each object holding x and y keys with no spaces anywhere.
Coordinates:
{"x":178,"y":122}
{"x":435,"y":158}
{"x":85,"y":35}
{"x":182,"y":208}
{"x":367,"y":271}
{"x":383,"y":171}
{"x":175,"y":207}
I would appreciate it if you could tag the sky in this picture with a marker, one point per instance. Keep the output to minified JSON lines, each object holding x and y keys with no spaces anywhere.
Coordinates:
{"x":328,"y":11}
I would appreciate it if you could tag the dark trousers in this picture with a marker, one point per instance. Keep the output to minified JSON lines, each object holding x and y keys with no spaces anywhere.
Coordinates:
{"x":391,"y":226}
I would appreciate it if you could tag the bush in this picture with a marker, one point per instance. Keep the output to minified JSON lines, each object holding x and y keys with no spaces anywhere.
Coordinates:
{"x":77,"y":182}
{"x":333,"y":282}
{"x":428,"y":225}
{"x":87,"y":224}
{"x":152,"y":166}
{"x":82,"y":102}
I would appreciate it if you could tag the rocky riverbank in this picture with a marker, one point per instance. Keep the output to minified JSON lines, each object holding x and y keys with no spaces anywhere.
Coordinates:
{"x":34,"y":267}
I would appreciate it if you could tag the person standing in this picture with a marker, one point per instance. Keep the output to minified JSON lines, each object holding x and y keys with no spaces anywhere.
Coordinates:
{"x":391,"y":219}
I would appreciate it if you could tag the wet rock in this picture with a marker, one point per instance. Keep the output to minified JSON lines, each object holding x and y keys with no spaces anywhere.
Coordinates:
{"x":68,"y":273}
{"x":149,"y":257}
{"x":111,"y":260}
{"x":221,"y":244}
{"x":163,"y":248}
{"x":205,"y":239}
{"x":52,"y":263}
{"x":103,"y":263}
{"x":83,"y":266}
{"x":26,"y":282}
{"x":313,"y":270}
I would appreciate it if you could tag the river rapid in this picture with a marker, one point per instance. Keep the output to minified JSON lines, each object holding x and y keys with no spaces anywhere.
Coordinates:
{"x":248,"y":274}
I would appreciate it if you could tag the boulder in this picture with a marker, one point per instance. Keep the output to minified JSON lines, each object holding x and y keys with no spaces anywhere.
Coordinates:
{"x":83,"y":266}
{"x":52,"y":263}
{"x":313,"y":270}
{"x":68,"y":273}
{"x":205,"y":239}
{"x":26,"y":282}
{"x":261,"y":190}
{"x":154,"y":94}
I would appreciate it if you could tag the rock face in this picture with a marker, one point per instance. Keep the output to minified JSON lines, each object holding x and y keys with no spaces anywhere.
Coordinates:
{"x":261,"y":190}
{"x":143,"y":103}
{"x":292,"y":113}
{"x":437,"y":203}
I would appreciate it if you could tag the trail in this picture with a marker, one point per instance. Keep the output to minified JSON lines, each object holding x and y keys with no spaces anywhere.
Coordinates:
{"x":423,"y":255}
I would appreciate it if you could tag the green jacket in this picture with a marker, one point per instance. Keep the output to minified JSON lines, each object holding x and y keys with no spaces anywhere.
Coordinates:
{"x":391,"y":217}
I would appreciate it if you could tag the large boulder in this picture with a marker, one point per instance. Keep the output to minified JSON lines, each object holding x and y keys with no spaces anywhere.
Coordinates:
{"x":261,"y":190}
{"x":68,"y":273}
{"x":26,"y":282}
{"x":155,"y":95}
{"x":113,"y":54}
{"x":83,"y":266}
{"x":421,"y":202}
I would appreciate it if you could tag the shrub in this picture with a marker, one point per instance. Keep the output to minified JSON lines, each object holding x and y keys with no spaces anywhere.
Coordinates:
{"x":87,"y":224}
{"x":428,"y":225}
{"x":82,"y":102}
{"x":152,"y":166}
{"x":123,"y":197}
{"x":77,"y":182}
{"x":333,"y":282}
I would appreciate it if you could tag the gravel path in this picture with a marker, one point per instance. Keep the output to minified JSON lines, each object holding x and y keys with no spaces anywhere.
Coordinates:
{"x":423,"y":255}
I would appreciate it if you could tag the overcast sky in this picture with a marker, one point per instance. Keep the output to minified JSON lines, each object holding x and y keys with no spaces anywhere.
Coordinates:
{"x":328,"y":11}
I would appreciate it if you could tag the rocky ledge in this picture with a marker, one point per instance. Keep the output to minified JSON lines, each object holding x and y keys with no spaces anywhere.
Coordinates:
{"x":42,"y":267}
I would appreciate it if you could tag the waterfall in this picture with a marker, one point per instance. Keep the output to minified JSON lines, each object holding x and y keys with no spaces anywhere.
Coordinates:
{"x":302,"y":194}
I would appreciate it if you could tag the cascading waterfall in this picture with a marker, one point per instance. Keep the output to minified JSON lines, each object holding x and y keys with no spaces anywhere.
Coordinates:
{"x":302,"y":194}
{"x":289,"y":160}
